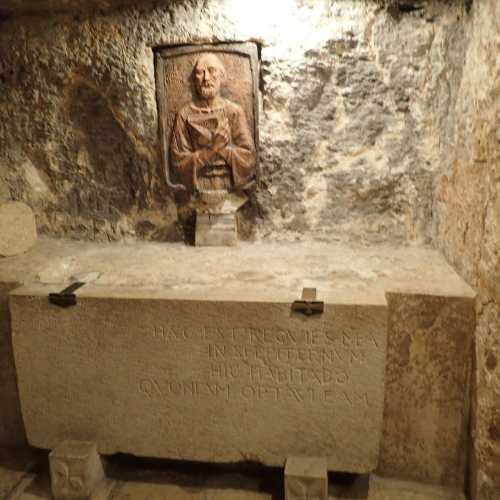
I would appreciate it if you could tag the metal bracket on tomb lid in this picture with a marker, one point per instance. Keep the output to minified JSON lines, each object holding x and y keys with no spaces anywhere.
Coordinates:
{"x":308,"y":305}
{"x":67,"y":297}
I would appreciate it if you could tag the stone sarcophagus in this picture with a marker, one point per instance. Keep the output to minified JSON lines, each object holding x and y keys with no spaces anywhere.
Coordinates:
{"x":225,"y":379}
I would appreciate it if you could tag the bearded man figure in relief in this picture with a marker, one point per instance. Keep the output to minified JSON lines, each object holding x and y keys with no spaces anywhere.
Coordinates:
{"x":212,"y":147}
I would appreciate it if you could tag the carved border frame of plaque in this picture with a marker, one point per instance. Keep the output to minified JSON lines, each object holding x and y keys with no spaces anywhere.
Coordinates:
{"x":246,"y":49}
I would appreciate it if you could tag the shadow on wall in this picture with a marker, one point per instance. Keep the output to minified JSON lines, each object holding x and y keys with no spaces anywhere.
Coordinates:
{"x":12,"y":433}
{"x":109,"y":175}
{"x":108,"y":170}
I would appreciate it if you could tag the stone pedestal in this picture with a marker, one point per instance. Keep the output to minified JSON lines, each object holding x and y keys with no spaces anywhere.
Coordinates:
{"x":216,"y":230}
{"x":76,"y":470}
{"x":306,"y":478}
{"x":216,"y":217}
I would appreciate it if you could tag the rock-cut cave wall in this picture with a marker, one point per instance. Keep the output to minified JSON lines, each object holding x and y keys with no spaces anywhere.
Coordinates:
{"x":467,"y":211}
{"x":352,"y":99}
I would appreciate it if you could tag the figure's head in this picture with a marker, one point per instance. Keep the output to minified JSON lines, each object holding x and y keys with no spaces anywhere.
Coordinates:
{"x":209,"y":74}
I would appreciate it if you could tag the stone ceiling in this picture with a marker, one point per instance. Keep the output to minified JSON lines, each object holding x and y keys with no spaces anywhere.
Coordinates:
{"x":22,"y":7}
{"x":27,"y":7}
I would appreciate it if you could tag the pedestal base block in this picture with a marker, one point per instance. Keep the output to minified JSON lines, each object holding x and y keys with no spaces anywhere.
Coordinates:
{"x":216,"y":230}
{"x":76,"y":470}
{"x":306,"y":478}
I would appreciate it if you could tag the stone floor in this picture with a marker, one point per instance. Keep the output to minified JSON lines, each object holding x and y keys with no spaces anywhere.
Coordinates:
{"x":174,"y":481}
{"x":16,"y":472}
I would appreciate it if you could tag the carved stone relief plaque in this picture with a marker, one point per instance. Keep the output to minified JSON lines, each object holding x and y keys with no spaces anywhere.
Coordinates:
{"x":207,"y":101}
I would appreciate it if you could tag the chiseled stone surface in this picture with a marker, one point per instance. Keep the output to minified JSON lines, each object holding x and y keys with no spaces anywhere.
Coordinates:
{"x":205,"y":380}
{"x":467,"y":208}
{"x":427,"y":388}
{"x":17,"y":228}
{"x":351,"y":110}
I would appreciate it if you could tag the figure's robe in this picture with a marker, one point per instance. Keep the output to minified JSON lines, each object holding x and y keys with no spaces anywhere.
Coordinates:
{"x":233,"y":168}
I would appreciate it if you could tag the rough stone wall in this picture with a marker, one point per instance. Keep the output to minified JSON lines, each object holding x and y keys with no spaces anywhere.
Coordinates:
{"x":426,"y":416}
{"x":349,"y":138}
{"x":467,"y":211}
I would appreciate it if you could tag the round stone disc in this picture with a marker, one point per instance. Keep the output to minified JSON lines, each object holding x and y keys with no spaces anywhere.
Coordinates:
{"x":17,"y":228}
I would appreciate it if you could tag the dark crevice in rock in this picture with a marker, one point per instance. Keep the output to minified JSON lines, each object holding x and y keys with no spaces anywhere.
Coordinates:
{"x":261,"y":68}
{"x":4,"y":16}
{"x":409,"y":7}
{"x":397,"y":8}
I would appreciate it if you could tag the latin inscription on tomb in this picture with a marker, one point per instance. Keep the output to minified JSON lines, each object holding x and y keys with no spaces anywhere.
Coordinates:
{"x":267,"y":365}
{"x":209,"y":381}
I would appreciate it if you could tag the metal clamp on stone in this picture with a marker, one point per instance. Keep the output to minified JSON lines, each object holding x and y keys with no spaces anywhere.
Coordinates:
{"x":66,"y":298}
{"x":308,"y":305}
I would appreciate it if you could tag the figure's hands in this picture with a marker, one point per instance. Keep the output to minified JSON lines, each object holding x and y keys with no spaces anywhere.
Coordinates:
{"x":220,"y":141}
{"x":221,"y":136}
{"x":205,"y":156}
